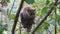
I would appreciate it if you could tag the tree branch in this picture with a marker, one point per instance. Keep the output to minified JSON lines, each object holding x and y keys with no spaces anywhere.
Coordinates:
{"x":16,"y":17}
{"x":45,"y":17}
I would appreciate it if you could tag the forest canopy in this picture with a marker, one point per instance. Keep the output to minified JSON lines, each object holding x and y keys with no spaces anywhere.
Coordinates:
{"x":47,"y":18}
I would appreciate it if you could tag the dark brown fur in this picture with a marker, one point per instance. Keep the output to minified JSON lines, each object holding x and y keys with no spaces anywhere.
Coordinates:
{"x":27,"y":17}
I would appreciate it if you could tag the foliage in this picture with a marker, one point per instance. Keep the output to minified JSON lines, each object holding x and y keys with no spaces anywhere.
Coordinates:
{"x":8,"y":1}
{"x":29,"y":1}
{"x":41,"y":9}
{"x":2,"y":28}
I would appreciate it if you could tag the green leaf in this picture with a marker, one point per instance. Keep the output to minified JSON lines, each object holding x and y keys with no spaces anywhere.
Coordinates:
{"x":25,"y":32}
{"x":1,"y":31}
{"x":46,"y":25}
{"x":52,"y":22}
{"x":39,"y":29}
{"x":38,"y":12}
{"x":59,"y":7}
{"x":30,"y":1}
{"x":8,"y":1}
{"x":11,"y":16}
{"x":50,"y":4}
{"x":5,"y":27}
{"x":47,"y":2}
{"x":58,"y":19}
{"x":44,"y":10}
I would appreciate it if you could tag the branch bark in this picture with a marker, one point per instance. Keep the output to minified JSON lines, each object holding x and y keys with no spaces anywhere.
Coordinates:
{"x":45,"y":17}
{"x":16,"y":17}
{"x":58,"y":3}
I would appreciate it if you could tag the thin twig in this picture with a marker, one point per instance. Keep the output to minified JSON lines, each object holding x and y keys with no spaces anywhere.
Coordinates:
{"x":55,"y":22}
{"x":49,"y":31}
{"x":16,"y":17}
{"x":12,"y":6}
{"x":45,"y":17}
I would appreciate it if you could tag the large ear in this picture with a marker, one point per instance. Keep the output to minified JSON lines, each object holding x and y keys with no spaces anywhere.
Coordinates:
{"x":5,"y":4}
{"x":34,"y":10}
